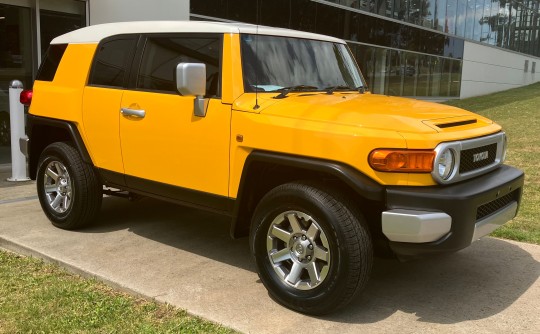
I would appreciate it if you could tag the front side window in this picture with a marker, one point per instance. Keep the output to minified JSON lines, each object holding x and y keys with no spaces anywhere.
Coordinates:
{"x":162,"y":55}
{"x":112,"y":61}
{"x":272,"y":63}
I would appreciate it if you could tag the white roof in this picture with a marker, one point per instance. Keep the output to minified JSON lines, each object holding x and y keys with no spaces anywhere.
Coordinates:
{"x":94,"y":34}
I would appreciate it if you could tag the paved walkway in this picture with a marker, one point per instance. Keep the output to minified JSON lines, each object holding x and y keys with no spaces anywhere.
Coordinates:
{"x":186,"y":258}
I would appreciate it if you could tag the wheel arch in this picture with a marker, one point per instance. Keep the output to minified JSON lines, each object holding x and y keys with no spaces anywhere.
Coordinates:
{"x":267,"y":170}
{"x":44,"y":131}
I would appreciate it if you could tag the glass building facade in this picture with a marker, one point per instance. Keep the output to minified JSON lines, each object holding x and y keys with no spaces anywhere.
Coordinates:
{"x":26,"y":29}
{"x":404,"y":47}
{"x":509,"y":24}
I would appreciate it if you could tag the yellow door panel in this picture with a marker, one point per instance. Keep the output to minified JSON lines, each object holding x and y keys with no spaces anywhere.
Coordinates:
{"x":170,"y":145}
{"x":101,"y":108}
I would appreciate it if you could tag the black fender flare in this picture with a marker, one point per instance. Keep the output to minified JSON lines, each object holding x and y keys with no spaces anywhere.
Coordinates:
{"x":352,"y":177}
{"x":35,"y":146}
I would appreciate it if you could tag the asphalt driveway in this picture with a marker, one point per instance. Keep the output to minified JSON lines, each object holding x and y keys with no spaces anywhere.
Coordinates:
{"x":185,"y":257}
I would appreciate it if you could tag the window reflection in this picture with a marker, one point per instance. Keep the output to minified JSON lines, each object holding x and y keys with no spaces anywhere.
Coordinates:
{"x":511,"y":24}
{"x":270,"y":63}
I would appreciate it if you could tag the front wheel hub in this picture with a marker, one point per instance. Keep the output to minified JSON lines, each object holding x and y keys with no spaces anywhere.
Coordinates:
{"x":298,"y":250}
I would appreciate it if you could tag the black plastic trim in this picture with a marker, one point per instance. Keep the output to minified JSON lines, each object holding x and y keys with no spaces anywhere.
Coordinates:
{"x":33,"y":120}
{"x":35,"y":145}
{"x":184,"y":196}
{"x":359,"y":182}
{"x":110,"y":178}
{"x":461,"y":201}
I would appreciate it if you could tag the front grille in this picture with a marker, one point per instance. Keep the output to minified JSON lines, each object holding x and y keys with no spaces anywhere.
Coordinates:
{"x":468,"y":164}
{"x":491,"y":207}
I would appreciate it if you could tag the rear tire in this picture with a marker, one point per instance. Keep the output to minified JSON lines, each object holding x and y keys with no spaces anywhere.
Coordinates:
{"x":68,"y":189}
{"x":312,"y":248}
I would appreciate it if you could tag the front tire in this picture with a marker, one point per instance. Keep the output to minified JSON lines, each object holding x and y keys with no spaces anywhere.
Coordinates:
{"x":68,"y":189}
{"x":312,"y":248}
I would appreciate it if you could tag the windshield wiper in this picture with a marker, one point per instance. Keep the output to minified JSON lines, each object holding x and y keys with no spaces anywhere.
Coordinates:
{"x":330,"y":90}
{"x":286,"y":90}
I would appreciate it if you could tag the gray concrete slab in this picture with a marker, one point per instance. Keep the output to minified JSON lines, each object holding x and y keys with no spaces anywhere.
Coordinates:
{"x":186,"y":258}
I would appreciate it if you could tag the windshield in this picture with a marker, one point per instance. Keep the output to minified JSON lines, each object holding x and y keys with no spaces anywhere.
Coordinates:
{"x":272,"y":63}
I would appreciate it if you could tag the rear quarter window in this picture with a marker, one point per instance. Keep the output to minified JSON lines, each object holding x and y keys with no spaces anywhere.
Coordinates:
{"x":50,"y":62}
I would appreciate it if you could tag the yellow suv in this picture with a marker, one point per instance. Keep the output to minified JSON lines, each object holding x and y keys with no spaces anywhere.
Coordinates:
{"x":275,"y":129}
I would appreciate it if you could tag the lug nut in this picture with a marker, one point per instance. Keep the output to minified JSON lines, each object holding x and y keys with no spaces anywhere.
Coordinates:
{"x":303,"y":237}
{"x":294,"y":238}
{"x":309,"y":258}
{"x":310,"y":246}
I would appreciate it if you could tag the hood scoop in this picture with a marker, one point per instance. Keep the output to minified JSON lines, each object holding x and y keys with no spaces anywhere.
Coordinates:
{"x":457,"y":123}
{"x":454,"y":124}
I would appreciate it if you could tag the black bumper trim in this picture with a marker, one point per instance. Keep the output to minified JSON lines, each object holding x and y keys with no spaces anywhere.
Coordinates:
{"x":461,"y":201}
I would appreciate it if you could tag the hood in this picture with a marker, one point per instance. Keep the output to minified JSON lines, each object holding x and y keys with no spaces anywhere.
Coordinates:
{"x":366,"y":110}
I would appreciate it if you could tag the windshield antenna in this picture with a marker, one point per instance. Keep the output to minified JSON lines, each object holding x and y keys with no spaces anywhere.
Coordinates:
{"x":256,"y":106}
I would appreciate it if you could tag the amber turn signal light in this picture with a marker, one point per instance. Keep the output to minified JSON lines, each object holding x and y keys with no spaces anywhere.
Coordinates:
{"x":402,"y":161}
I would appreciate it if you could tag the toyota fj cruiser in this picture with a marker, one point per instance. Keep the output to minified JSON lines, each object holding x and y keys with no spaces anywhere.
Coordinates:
{"x":274,"y":128}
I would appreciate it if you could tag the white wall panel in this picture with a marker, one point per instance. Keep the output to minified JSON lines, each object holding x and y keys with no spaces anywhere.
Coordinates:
{"x":488,"y":70}
{"x":105,"y":11}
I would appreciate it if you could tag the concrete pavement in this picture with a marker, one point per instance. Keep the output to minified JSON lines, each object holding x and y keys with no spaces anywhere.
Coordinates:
{"x":185,"y":257}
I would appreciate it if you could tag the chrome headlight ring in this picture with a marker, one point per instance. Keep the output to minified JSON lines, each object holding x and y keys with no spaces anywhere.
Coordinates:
{"x":445,"y":162}
{"x":446,"y":169}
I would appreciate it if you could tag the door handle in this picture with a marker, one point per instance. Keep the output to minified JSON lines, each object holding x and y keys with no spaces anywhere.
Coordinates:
{"x":139,"y":113}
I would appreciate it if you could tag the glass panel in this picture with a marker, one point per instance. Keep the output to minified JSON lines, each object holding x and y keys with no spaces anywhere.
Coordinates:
{"x":461,"y":13}
{"x":440,"y":15}
{"x":365,"y":56}
{"x":50,"y":62}
{"x":112,"y":62}
{"x":242,"y":10}
{"x":16,"y":63}
{"x":213,"y":8}
{"x":477,"y":23}
{"x":451,"y":12}
{"x":410,"y":73}
{"x":435,"y":76}
{"x":271,"y":63}
{"x":329,"y":21}
{"x":54,"y":24}
{"x":424,"y":76}
{"x":275,"y":13}
{"x":455,"y":85}
{"x":485,"y":34}
{"x":303,"y":14}
{"x":163,"y":54}
{"x":429,"y":20}
{"x":470,"y":18}
{"x":418,"y":11}
{"x":444,"y":81}
{"x":394,"y":73}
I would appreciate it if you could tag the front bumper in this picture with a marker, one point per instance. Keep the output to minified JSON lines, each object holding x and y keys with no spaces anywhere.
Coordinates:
{"x":448,"y":218}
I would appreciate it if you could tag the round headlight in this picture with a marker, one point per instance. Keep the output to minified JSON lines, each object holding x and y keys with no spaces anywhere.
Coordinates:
{"x":445,"y":164}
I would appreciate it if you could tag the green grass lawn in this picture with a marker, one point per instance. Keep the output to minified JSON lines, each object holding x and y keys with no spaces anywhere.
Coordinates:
{"x":42,"y":298}
{"x":518,"y":112}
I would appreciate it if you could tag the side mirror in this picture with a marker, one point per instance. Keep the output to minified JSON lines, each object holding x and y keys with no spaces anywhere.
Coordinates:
{"x":191,"y":80}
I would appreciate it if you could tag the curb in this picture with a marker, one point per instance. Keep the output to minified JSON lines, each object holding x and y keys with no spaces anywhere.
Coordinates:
{"x":16,"y":248}
{"x":11,"y":246}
